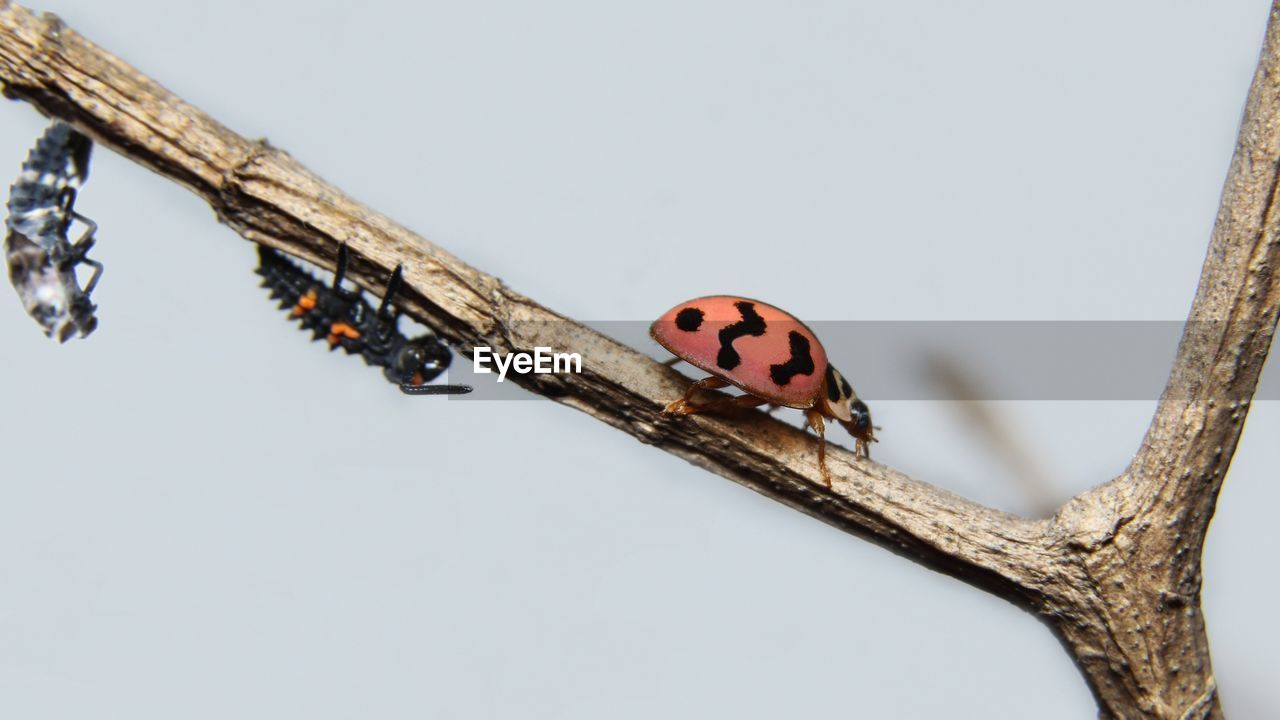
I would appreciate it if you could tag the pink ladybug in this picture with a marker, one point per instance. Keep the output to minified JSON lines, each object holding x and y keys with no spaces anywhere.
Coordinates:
{"x":770,"y":355}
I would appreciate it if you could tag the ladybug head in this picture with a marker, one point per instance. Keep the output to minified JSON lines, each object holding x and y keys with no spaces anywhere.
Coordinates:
{"x":843,"y":405}
{"x":419,"y":361}
{"x":860,"y":427}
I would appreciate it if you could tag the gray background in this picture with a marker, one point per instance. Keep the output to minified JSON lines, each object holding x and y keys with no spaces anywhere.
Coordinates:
{"x":203,"y":515}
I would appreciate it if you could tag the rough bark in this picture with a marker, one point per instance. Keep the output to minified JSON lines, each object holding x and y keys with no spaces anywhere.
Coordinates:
{"x":1115,"y":571}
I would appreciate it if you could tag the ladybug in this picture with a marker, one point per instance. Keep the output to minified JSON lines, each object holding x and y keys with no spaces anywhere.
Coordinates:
{"x":770,"y":355}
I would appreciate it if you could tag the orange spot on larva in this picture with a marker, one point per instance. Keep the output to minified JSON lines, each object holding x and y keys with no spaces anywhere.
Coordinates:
{"x":340,"y":330}
{"x":305,"y":303}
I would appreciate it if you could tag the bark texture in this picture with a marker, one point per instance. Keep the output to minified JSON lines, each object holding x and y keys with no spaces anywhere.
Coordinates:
{"x":1115,"y":571}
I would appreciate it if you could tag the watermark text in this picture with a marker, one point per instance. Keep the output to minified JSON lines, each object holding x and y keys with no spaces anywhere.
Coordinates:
{"x":542,"y":361}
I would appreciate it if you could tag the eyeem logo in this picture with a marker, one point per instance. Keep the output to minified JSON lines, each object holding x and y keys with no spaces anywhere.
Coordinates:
{"x":540,"y":362}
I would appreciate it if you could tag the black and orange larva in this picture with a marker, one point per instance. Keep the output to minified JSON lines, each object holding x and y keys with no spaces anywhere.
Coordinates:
{"x":346,"y":320}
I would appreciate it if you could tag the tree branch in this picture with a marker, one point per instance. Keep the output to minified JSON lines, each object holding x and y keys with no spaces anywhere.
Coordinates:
{"x":1115,"y":571}
{"x":1141,"y":637}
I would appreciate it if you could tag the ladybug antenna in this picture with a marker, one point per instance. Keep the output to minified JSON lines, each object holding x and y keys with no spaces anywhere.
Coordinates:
{"x":408,"y":389}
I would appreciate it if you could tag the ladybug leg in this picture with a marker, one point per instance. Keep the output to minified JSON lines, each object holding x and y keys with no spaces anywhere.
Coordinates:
{"x":748,"y":401}
{"x":66,"y":203}
{"x":740,"y":401}
{"x":819,"y":426}
{"x":393,"y":287}
{"x":684,"y":406}
{"x":93,"y":279}
{"x":81,"y":248}
{"x":86,"y":240}
{"x":340,"y":267}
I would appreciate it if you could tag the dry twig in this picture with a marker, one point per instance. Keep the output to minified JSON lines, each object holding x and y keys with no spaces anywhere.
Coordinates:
{"x":1115,"y":572}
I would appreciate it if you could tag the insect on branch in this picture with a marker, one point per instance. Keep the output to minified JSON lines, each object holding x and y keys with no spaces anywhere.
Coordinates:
{"x":1098,"y":571}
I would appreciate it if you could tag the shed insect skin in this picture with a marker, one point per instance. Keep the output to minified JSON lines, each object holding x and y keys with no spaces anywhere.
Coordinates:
{"x":347,"y":320}
{"x":41,"y":259}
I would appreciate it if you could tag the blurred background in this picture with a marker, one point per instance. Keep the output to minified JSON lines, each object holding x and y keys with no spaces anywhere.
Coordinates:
{"x":203,"y":515}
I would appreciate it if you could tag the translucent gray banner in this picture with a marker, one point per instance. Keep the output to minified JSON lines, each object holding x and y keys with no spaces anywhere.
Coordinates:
{"x":946,"y":360}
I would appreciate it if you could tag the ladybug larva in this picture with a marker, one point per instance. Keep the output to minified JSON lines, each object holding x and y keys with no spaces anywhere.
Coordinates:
{"x":348,"y":321}
{"x":771,"y":356}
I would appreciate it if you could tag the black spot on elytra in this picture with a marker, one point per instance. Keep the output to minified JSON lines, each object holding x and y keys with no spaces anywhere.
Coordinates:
{"x":833,"y":391}
{"x":689,"y":319}
{"x":801,"y":362}
{"x":750,"y":324}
